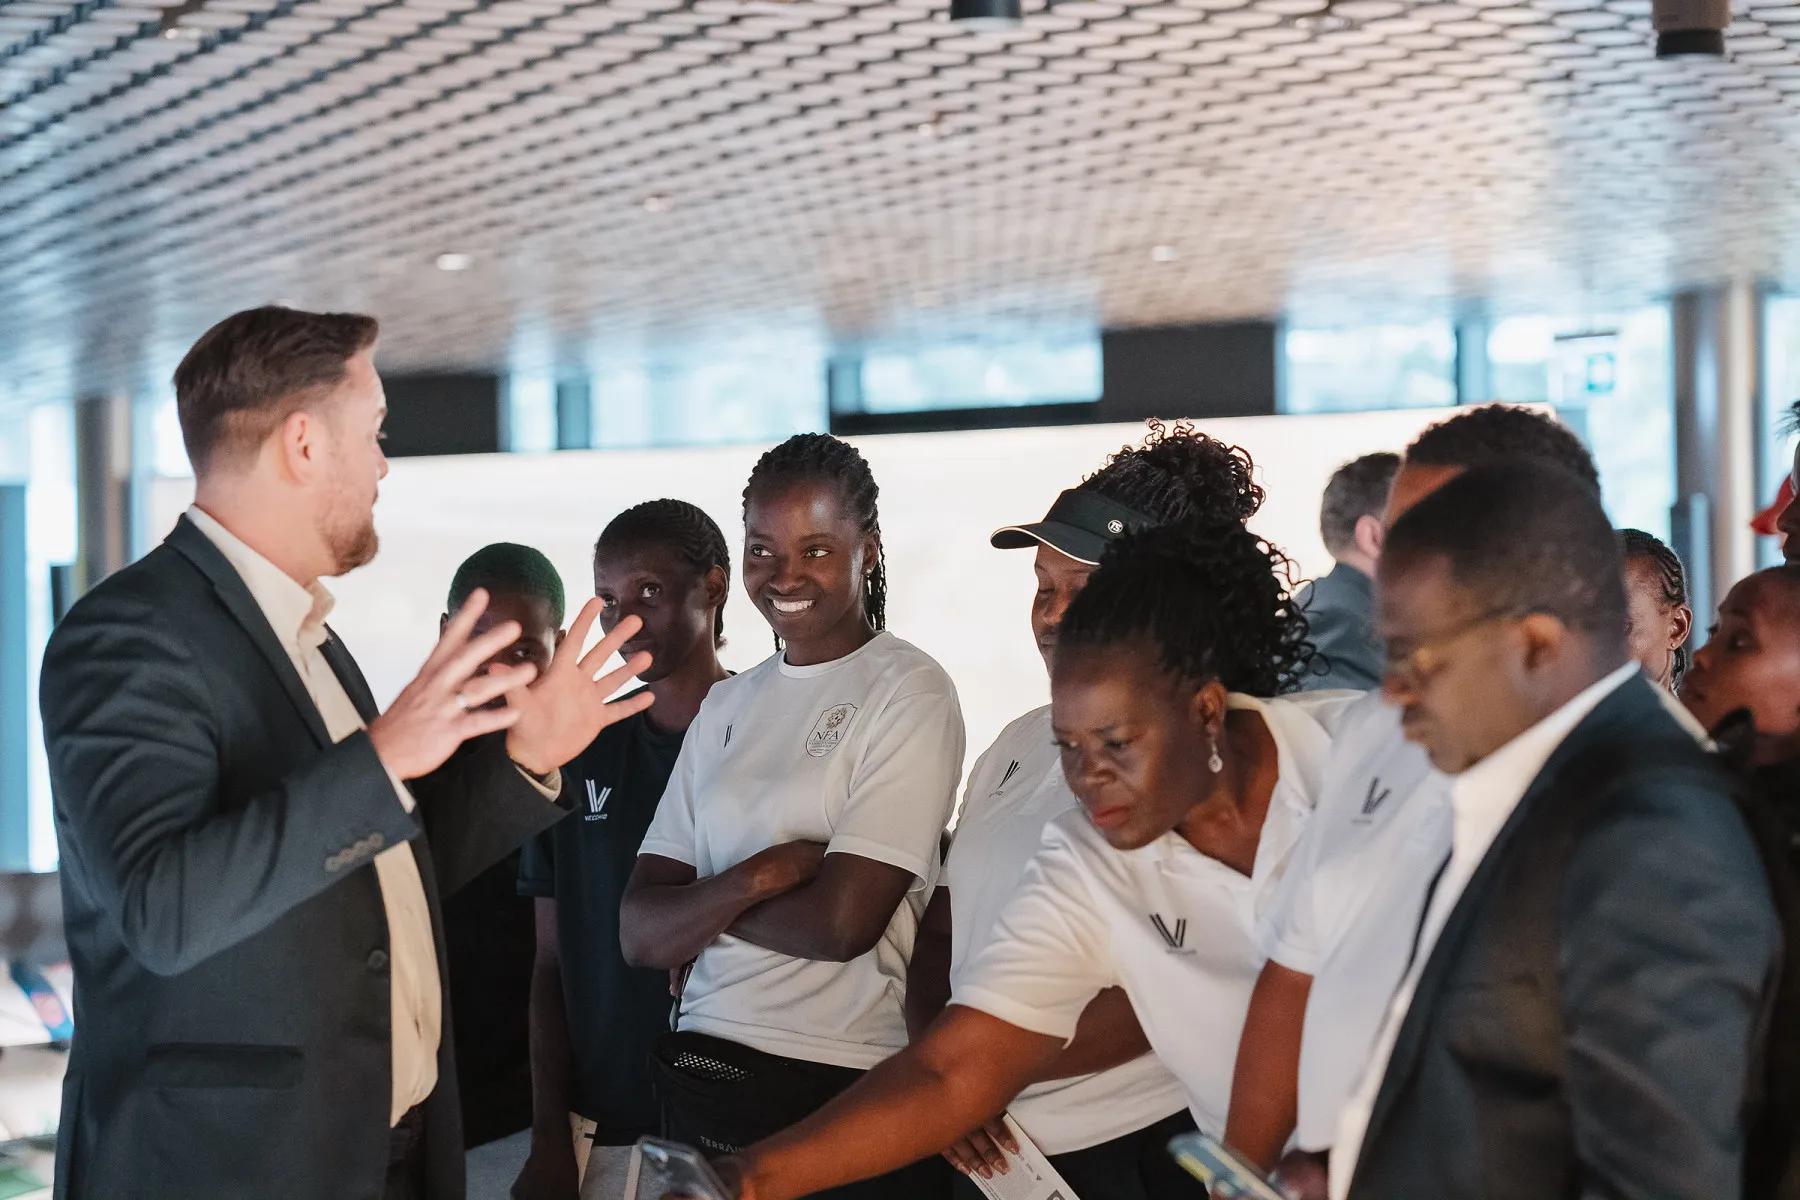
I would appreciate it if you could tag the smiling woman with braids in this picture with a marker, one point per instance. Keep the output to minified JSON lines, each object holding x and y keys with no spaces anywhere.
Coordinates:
{"x":789,"y":857}
{"x":1110,"y":1106}
{"x":1193,"y":786}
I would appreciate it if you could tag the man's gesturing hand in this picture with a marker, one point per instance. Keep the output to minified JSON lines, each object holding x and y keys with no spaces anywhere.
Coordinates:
{"x":565,"y":710}
{"x":441,"y":708}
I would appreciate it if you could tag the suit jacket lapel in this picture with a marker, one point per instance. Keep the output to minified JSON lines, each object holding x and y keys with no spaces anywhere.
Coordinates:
{"x":1631,"y":702}
{"x":350,"y":676}
{"x":238,"y":601}
{"x":1445,"y":951}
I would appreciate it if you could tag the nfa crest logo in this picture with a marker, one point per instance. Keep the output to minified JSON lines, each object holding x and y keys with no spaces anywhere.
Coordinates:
{"x":829,"y":729}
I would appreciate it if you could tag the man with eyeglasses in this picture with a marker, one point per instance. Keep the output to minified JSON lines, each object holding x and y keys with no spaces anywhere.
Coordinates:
{"x":1587,"y":983}
{"x":1340,"y":931}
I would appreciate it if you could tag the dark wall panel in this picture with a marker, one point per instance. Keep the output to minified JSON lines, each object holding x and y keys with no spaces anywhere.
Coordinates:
{"x":443,"y":414}
{"x":1189,"y":371}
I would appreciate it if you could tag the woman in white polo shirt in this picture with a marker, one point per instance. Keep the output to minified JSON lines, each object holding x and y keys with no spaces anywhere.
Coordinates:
{"x":790,"y":856}
{"x":1192,"y":791}
{"x":1104,"y":1130}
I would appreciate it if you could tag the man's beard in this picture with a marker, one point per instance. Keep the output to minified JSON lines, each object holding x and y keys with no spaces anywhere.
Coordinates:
{"x":350,"y":535}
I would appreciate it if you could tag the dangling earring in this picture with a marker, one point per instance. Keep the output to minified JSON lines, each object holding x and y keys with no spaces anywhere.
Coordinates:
{"x":1215,"y":764}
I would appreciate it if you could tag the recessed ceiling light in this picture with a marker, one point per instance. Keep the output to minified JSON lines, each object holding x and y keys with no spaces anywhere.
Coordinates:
{"x":1322,"y":21}
{"x":656,"y":202}
{"x":931,"y":126}
{"x":454,"y":262}
{"x":1164,"y":254}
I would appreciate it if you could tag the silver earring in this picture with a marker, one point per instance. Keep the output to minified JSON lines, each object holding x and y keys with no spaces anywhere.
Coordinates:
{"x":1215,"y":764}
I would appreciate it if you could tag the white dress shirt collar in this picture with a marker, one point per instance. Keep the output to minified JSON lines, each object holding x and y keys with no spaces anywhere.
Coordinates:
{"x":296,"y":612}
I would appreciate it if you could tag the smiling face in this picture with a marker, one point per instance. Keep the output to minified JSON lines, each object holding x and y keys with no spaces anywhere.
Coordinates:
{"x":1752,"y":661}
{"x":1059,"y":580}
{"x":1133,"y":739}
{"x":806,"y":561}
{"x":676,"y":603}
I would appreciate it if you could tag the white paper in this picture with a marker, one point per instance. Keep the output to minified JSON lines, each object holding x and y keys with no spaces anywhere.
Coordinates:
{"x":1029,"y":1175}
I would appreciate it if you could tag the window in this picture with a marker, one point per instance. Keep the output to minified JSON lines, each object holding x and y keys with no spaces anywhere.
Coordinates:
{"x":1781,"y":389}
{"x":696,"y":402}
{"x":1609,"y":378}
{"x":1355,"y":369}
{"x":977,"y":375}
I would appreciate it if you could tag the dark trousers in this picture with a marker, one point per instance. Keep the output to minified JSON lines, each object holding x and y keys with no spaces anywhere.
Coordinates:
{"x":1134,"y":1166}
{"x":720,"y":1096}
{"x":406,"y":1158}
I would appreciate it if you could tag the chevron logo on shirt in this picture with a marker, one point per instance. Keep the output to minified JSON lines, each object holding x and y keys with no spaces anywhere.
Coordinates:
{"x":1012,"y":768}
{"x":597,"y":799}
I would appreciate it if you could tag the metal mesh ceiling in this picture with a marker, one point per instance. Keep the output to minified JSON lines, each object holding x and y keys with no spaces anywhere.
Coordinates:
{"x":639,"y":175}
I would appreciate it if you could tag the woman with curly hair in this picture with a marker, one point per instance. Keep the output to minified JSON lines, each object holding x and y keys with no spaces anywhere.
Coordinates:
{"x":1194,"y":781}
{"x":1104,"y":1129}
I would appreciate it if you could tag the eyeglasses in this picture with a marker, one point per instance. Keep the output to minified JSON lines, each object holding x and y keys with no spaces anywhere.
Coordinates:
{"x":1412,"y":670}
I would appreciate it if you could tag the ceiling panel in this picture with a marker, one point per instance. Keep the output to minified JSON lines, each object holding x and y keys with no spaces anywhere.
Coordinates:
{"x":643,"y":176}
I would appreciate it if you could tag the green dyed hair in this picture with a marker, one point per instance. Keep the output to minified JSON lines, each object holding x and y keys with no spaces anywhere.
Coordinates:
{"x":509,"y":567}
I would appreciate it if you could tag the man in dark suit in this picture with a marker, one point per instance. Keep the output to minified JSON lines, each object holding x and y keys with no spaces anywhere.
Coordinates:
{"x":1596,"y":957}
{"x":1340,"y":606}
{"x":252,"y":855}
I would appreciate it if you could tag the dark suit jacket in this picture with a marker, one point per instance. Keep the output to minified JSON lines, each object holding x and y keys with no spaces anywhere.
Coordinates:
{"x":1586,"y":1024}
{"x":1340,"y":624}
{"x":226,"y":927}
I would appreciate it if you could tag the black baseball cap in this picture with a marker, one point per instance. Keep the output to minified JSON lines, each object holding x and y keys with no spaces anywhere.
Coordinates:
{"x":1080,"y":524}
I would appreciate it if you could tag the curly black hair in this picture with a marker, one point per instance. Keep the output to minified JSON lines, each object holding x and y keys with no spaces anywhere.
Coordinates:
{"x":1501,"y":435}
{"x":682,"y":527}
{"x":1671,"y":577}
{"x":1180,"y":474}
{"x":1215,"y":600}
{"x":819,"y":456}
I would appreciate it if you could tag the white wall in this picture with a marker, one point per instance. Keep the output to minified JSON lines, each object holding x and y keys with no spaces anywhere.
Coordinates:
{"x":941,"y":495}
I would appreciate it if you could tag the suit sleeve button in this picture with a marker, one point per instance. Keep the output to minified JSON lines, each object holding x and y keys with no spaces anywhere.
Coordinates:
{"x":378,"y":961}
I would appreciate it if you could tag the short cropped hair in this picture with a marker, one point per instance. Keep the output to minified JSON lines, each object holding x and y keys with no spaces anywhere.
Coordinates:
{"x":253,"y":370}
{"x":1528,"y":538}
{"x":1356,"y":490}
{"x":511,"y":568}
{"x":1497,"y":434}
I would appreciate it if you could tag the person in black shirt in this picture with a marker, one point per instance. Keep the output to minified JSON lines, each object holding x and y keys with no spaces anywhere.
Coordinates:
{"x":487,"y":926}
{"x":593,"y":1018}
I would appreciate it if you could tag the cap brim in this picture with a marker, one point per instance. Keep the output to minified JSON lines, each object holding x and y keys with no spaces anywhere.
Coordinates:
{"x":1084,"y":547}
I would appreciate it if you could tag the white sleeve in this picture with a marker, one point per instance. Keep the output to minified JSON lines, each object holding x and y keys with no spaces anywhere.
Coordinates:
{"x":1048,"y":954}
{"x":904,"y":785}
{"x":1290,"y":932}
{"x":671,"y":832}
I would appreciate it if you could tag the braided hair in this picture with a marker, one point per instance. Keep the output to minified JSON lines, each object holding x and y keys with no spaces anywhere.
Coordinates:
{"x":681,"y":527}
{"x":1180,"y":474}
{"x":1671,"y":578}
{"x":1215,"y":601}
{"x":821,"y":457}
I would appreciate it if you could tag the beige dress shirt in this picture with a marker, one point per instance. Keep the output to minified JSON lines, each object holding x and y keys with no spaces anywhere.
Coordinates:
{"x":297,"y":616}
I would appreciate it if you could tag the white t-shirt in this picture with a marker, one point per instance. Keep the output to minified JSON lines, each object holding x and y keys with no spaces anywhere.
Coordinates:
{"x":1179,"y":931}
{"x":1347,"y":912}
{"x":1014,"y":791}
{"x":862,"y":753}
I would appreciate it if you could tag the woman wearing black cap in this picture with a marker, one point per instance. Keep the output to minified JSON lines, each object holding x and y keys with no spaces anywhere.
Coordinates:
{"x":1104,"y":1126}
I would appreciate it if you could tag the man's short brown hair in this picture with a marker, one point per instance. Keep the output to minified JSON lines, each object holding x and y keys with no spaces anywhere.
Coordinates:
{"x":251,"y":371}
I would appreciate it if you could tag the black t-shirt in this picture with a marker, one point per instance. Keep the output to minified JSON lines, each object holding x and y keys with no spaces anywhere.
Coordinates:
{"x":615,"y":1011}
